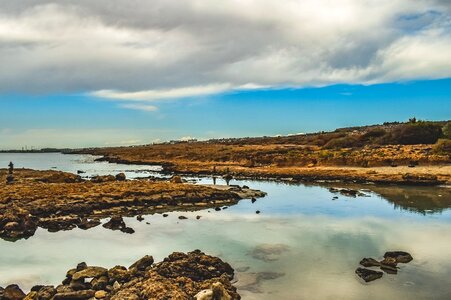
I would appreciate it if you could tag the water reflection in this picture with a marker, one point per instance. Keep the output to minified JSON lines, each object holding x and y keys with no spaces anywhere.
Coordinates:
{"x":303,"y":245}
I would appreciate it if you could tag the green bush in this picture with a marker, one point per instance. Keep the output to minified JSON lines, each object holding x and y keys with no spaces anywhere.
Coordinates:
{"x":414,"y":133}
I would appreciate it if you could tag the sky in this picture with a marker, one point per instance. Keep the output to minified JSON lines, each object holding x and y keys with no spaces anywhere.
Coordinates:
{"x":108,"y":72}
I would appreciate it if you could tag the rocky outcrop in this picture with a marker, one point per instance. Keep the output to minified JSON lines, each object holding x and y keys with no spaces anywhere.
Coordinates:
{"x":61,"y":201}
{"x":388,"y":265}
{"x":192,"y":275}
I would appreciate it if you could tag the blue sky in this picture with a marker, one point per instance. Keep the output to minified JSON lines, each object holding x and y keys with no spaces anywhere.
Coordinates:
{"x":83,"y":120}
{"x":112,"y":72}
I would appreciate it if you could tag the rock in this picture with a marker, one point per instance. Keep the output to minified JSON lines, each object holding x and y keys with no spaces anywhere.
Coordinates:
{"x":253,"y":200}
{"x":100,"y":294}
{"x":119,"y":273}
{"x":79,"y":284}
{"x":369,"y":262}
{"x":86,"y":224}
{"x":116,"y":285}
{"x":120,"y":177}
{"x":176,"y":179}
{"x":216,"y":292}
{"x":105,"y":178}
{"x":257,"y":212}
{"x":63,"y":289}
{"x":115,"y":223}
{"x":46,"y":292}
{"x":165,"y":215}
{"x":389,"y":261}
{"x":80,"y":172}
{"x":399,"y":256}
{"x":198,"y":217}
{"x":2,"y":292}
{"x":368,"y":275}
{"x":194,"y":265}
{"x":13,"y":292}
{"x":217,"y":208}
{"x":90,"y":272}
{"x":100,"y":283}
{"x":182,"y":218}
{"x":76,"y":295}
{"x":269,"y":252}
{"x":80,"y":266}
{"x":141,"y":264}
{"x":32,"y":295}
{"x":140,"y":218}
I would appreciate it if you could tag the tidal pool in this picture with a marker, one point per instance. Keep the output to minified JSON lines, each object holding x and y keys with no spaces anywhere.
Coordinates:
{"x":303,"y":245}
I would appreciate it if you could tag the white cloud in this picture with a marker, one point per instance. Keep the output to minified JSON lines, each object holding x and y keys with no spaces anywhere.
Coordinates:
{"x":142,"y":107}
{"x":168,"y":49}
{"x":151,"y":95}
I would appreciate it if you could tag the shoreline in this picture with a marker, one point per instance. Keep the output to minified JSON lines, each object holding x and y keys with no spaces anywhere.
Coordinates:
{"x":427,"y":175}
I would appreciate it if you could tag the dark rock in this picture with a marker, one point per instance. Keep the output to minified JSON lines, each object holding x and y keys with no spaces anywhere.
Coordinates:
{"x":13,"y":292}
{"x":80,"y":172}
{"x":80,"y":266}
{"x":36,"y":288}
{"x":46,"y":292}
{"x":182,"y":218}
{"x":369,"y":262}
{"x":78,"y":285}
{"x":257,"y":212}
{"x":368,"y":275}
{"x":119,"y":274}
{"x":140,"y":218}
{"x":128,"y":230}
{"x":165,"y":215}
{"x":100,"y":283}
{"x":399,"y":256}
{"x":253,"y":200}
{"x":115,"y":223}
{"x":142,"y":264}
{"x":120,"y":177}
{"x":86,"y":224}
{"x":217,"y":208}
{"x":198,"y":217}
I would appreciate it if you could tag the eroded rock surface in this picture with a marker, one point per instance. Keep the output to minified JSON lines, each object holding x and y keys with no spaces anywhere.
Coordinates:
{"x":192,"y":275}
{"x":61,"y":201}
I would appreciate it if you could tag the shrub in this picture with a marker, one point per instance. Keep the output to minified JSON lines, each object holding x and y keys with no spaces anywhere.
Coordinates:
{"x":343,"y":142}
{"x":414,"y":133}
{"x":447,"y":130}
{"x":443,"y":146}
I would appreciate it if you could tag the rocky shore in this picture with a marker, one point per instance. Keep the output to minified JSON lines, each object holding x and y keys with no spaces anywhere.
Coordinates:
{"x":62,"y":201}
{"x":192,"y":275}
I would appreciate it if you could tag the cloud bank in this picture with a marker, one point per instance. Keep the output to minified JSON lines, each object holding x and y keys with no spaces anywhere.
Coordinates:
{"x":171,"y":49}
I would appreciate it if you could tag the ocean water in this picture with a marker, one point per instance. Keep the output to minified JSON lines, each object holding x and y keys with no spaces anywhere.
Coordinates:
{"x":305,"y":244}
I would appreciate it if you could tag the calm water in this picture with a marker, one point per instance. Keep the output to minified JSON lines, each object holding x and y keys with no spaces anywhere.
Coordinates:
{"x":303,"y":245}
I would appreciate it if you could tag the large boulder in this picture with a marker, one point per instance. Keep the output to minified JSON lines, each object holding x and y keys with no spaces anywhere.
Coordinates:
{"x":368,"y":275}
{"x":13,"y":292}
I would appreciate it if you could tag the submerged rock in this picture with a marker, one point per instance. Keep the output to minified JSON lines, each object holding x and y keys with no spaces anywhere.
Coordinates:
{"x":368,"y":275}
{"x":117,"y":223}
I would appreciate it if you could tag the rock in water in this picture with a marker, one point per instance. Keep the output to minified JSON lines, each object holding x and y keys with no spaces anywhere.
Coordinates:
{"x":120,"y":177}
{"x":368,"y":275}
{"x":399,"y":256}
{"x":369,"y":262}
{"x":176,"y":179}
